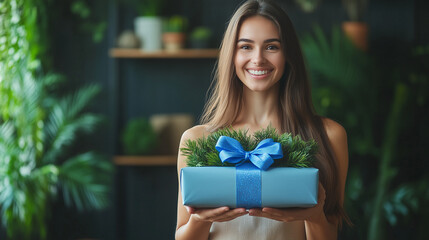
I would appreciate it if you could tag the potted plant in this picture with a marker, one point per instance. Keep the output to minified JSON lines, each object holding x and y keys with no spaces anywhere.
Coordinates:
{"x":200,"y":37}
{"x":148,"y":26}
{"x":174,"y":35}
{"x":355,"y":28}
{"x":139,"y":137}
{"x":308,"y":6}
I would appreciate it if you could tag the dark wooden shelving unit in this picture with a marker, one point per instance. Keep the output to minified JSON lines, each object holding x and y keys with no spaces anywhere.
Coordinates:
{"x":161,"y":160}
{"x":184,"y":53}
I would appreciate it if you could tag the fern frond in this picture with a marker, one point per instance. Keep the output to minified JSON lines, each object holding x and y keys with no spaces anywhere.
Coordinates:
{"x":83,"y":181}
{"x":78,"y":101}
{"x":61,"y":130}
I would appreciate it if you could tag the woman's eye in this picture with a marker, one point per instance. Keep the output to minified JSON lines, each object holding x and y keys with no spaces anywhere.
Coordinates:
{"x":272,"y":47}
{"x":245,"y":47}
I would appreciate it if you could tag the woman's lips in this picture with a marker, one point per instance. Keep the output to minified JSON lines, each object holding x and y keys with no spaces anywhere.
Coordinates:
{"x":259,"y":73}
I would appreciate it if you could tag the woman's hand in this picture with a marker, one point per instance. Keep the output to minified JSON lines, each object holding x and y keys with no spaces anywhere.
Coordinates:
{"x":221,"y":214}
{"x":293,"y":214}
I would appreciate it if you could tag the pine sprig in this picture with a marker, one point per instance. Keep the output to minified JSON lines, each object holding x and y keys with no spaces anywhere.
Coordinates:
{"x":296,"y":152}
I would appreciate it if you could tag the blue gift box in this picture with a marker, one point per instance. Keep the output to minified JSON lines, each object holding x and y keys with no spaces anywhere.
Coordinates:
{"x":209,"y":187}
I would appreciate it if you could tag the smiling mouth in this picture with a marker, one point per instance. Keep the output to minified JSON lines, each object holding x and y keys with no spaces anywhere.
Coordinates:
{"x":258,"y":72}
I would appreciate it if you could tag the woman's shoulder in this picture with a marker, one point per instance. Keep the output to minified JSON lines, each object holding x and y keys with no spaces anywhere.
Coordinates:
{"x":334,"y":130}
{"x":190,"y":134}
{"x":195,"y":132}
{"x":337,"y":137}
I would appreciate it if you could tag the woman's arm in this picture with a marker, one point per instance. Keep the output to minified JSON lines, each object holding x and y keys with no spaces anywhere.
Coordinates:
{"x":317,"y":225}
{"x":320,"y":226}
{"x":194,"y":224}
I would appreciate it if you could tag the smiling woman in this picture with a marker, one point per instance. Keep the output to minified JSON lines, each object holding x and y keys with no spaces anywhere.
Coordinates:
{"x":261,"y":81}
{"x":259,"y":60}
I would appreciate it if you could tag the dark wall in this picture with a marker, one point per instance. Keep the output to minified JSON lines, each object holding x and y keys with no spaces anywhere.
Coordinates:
{"x":144,"y":198}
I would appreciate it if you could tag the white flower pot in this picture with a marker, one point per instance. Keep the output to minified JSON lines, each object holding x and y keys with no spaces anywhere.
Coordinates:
{"x":149,"y":30}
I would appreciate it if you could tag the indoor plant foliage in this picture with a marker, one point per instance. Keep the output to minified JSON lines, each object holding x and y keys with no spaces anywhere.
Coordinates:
{"x":38,"y":128}
{"x":174,"y":35}
{"x":348,"y":85}
{"x":296,"y":152}
{"x":148,"y":24}
{"x":149,"y":8}
{"x":355,"y":9}
{"x":200,"y":37}
{"x":308,"y":6}
{"x":34,"y":163}
{"x":139,"y":137}
{"x":356,"y":29}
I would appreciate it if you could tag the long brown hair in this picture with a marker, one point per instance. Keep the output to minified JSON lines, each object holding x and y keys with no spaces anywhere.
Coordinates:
{"x":297,"y":112}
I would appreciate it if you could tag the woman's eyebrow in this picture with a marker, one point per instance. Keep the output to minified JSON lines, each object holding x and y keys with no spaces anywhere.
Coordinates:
{"x":272,"y":40}
{"x":251,"y":41}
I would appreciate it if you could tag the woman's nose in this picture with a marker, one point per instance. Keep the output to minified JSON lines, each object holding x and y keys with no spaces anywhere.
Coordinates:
{"x":258,"y":57}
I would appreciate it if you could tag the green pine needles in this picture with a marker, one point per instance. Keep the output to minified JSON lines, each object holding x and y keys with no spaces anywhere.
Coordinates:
{"x":297,"y":153}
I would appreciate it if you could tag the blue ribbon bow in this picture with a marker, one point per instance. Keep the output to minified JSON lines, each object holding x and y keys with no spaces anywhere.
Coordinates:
{"x":248,"y":167}
{"x":230,"y":150}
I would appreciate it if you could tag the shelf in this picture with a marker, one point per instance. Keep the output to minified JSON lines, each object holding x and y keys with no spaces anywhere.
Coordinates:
{"x":167,"y":160}
{"x":185,"y":53}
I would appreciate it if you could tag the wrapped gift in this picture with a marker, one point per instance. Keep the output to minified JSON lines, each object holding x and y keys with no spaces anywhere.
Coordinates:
{"x":252,"y":183}
{"x":209,"y":187}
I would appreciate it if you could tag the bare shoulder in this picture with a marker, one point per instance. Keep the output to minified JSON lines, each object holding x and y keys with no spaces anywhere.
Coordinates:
{"x":338,"y":139}
{"x":190,"y":134}
{"x":334,"y":130}
{"x":195,"y":132}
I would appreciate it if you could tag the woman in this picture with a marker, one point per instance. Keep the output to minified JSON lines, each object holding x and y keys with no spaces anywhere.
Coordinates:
{"x":261,"y":80}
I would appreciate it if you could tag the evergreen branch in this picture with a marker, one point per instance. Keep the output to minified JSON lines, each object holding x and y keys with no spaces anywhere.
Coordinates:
{"x":296,"y":152}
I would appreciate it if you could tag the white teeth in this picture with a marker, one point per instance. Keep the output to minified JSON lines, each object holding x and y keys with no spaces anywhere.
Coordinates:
{"x":256,"y":72}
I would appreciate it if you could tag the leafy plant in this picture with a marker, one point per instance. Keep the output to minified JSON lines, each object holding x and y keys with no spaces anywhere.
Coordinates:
{"x":89,"y":23}
{"x":343,"y":87}
{"x":35,"y":165}
{"x":38,"y":129}
{"x":348,"y":85}
{"x":201,"y":33}
{"x":296,"y":152}
{"x":308,"y":6}
{"x":355,"y":8}
{"x":139,"y":137}
{"x":176,"y":23}
{"x":147,"y":8}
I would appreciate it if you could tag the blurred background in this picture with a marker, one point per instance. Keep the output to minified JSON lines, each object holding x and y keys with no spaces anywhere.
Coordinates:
{"x":94,"y":95}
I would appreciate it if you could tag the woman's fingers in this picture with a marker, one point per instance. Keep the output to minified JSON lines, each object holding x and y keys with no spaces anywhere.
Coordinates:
{"x":190,"y":210}
{"x":233,"y":214}
{"x":211,"y":211}
{"x":223,"y":214}
{"x":275,"y":211}
{"x":293,"y":214}
{"x":217,"y":214}
{"x":285,"y":215}
{"x":257,"y":212}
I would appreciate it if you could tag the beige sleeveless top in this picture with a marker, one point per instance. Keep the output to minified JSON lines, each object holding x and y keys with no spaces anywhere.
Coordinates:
{"x":248,"y":228}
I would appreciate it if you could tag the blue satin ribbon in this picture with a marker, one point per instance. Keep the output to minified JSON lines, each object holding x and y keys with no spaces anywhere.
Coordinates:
{"x":248,"y":167}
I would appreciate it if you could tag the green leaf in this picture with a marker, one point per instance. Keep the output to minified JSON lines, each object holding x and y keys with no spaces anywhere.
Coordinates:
{"x":83,"y":181}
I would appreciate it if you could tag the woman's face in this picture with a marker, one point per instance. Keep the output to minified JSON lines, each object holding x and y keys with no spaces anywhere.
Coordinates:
{"x":259,"y":60}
